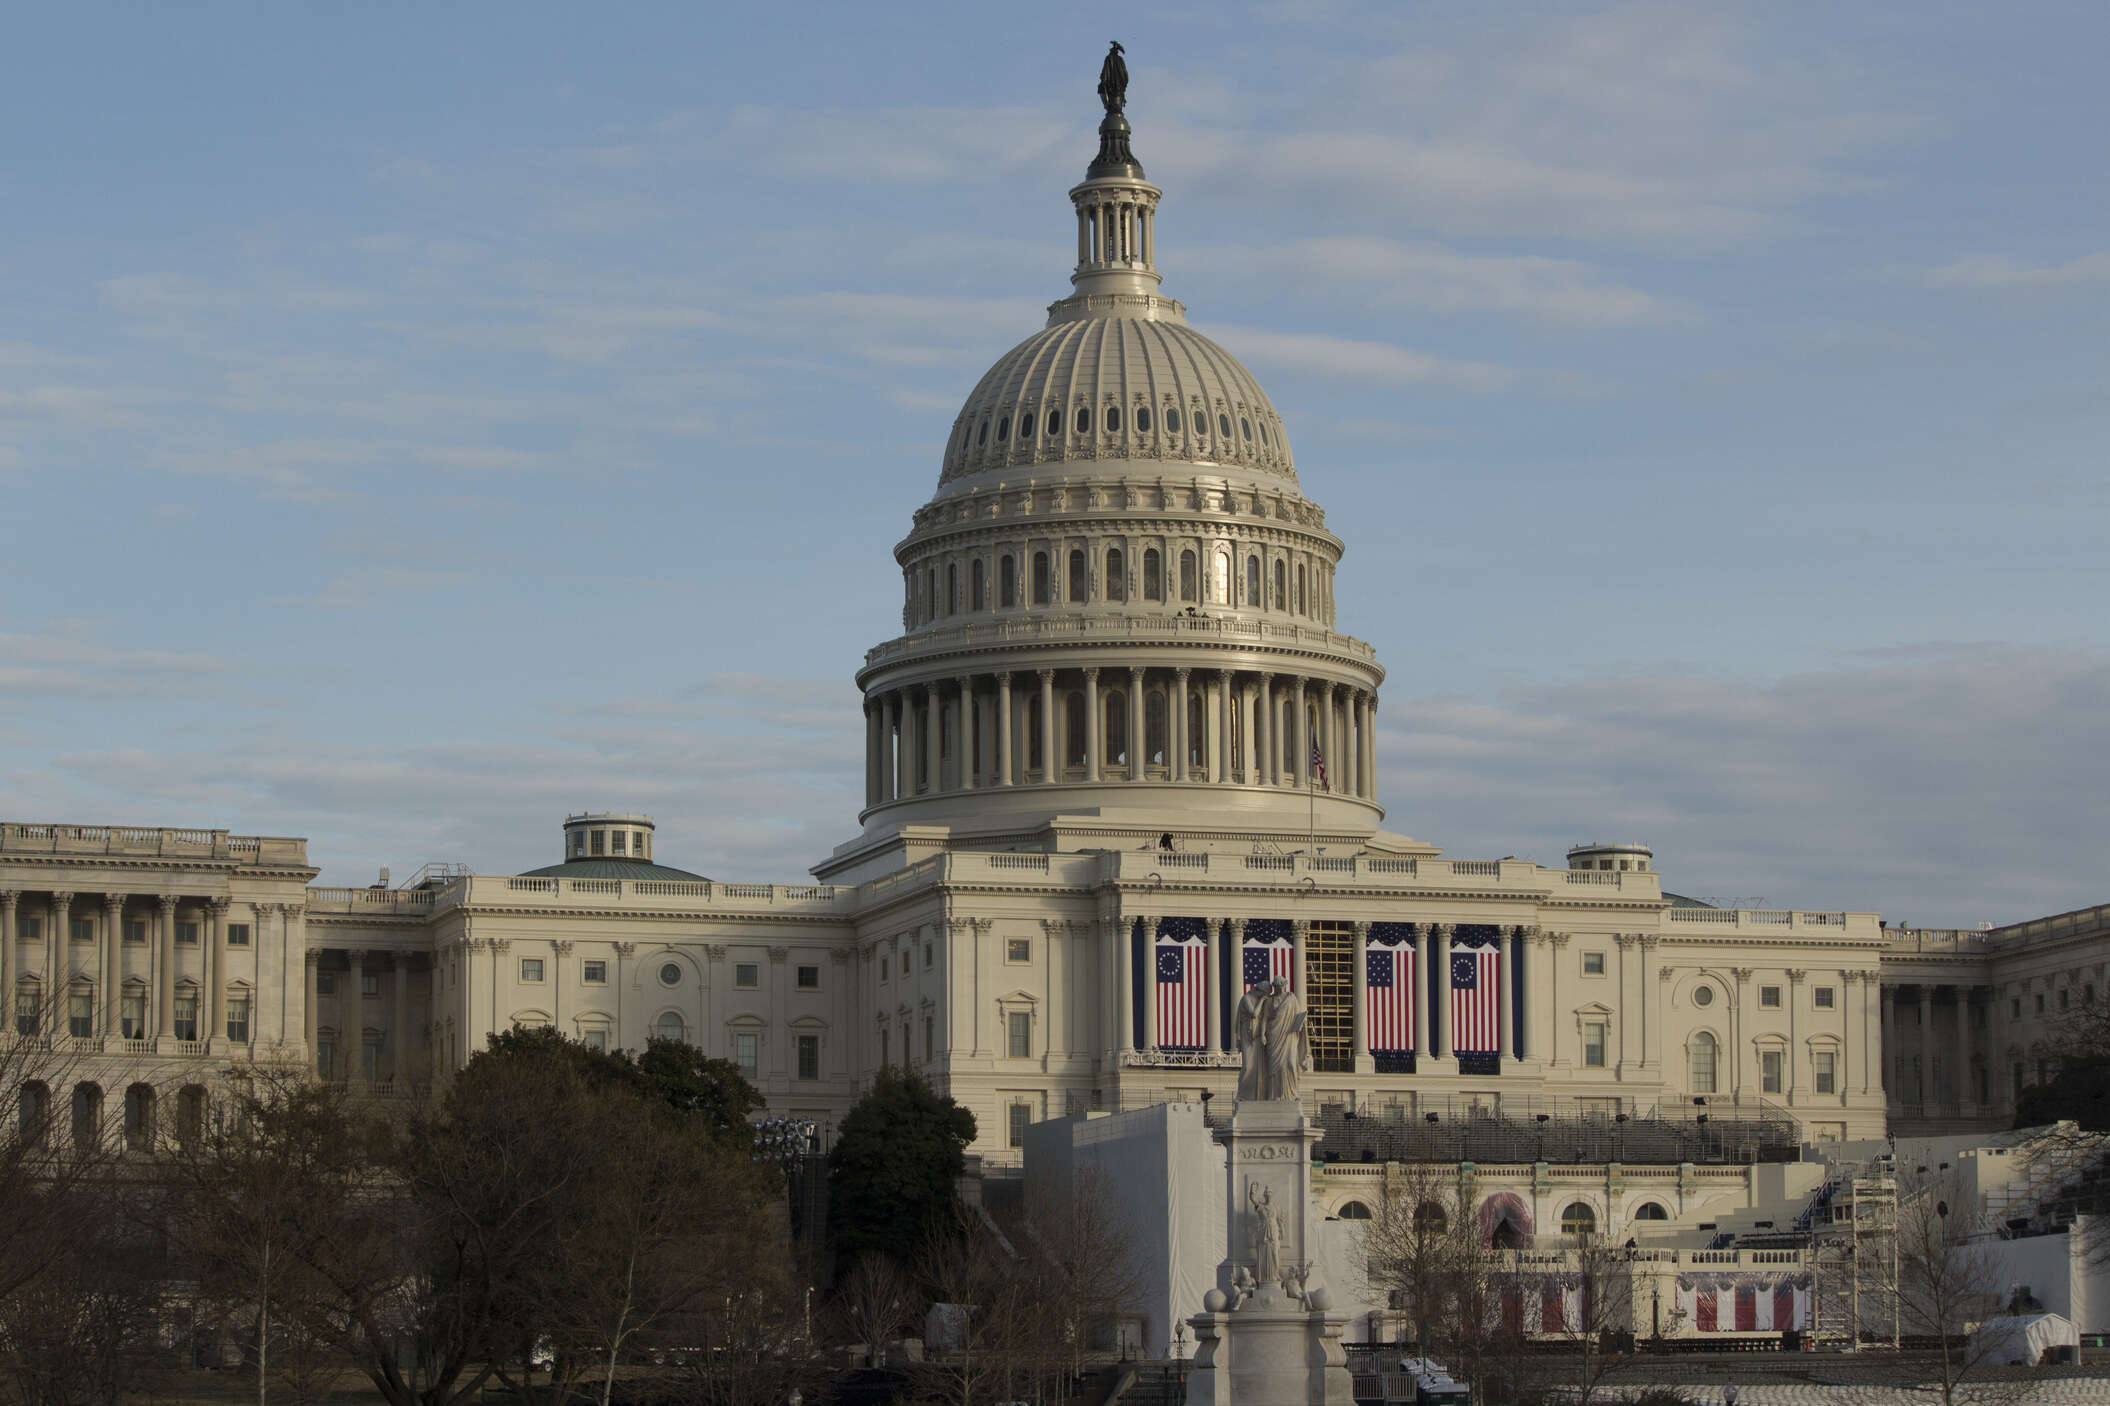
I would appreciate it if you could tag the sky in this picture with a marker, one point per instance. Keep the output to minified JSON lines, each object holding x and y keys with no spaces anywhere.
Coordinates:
{"x":420,"y":422}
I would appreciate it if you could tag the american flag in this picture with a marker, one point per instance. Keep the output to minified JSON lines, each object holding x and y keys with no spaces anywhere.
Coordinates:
{"x":1183,"y":986}
{"x":1264,"y":961}
{"x":1318,"y":768}
{"x":1474,"y":994}
{"x":1388,"y":998}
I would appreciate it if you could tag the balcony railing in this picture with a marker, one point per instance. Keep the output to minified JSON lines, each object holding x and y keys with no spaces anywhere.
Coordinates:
{"x":143,"y":843}
{"x":1229,"y":631}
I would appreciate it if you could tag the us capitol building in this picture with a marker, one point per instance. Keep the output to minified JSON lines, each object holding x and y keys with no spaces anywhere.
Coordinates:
{"x":1121,"y":763}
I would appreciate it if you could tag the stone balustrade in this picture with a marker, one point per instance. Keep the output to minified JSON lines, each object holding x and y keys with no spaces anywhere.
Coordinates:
{"x":1230,"y":631}
{"x":151,"y":843}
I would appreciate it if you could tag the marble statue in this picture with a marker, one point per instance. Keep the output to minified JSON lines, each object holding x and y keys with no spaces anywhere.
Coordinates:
{"x":1267,"y":1237}
{"x":1269,"y":1031}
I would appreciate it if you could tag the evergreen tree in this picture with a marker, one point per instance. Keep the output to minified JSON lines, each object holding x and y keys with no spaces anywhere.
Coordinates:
{"x":893,"y":1177}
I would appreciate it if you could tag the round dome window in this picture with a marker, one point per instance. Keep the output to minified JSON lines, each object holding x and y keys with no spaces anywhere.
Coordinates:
{"x":670,"y":974}
{"x":1223,"y":426}
{"x":1703,"y":995}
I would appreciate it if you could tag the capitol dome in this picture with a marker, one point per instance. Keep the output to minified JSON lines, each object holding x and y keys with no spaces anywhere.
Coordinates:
{"x":1119,"y":601}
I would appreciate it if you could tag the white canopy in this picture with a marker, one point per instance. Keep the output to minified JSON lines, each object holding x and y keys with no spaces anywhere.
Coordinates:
{"x":2021,"y":1338}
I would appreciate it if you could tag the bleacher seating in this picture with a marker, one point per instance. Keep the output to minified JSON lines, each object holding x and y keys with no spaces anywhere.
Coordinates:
{"x":1352,"y":1137}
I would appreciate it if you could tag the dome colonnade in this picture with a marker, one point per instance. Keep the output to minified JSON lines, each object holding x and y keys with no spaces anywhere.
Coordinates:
{"x":1119,"y":582}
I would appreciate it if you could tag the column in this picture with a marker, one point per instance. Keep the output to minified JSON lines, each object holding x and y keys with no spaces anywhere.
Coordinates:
{"x":9,"y":898}
{"x":1924,"y":1043}
{"x":108,"y":1025}
{"x":1362,"y":1002}
{"x":1440,"y":989}
{"x":164,"y":1014}
{"x":1300,"y":723}
{"x":889,"y":743}
{"x":1264,"y":732}
{"x":1424,"y":954}
{"x":399,"y":1019}
{"x":1351,"y":745}
{"x":1650,"y":1030}
{"x":1557,"y":946}
{"x":1091,"y":724}
{"x":872,"y":722}
{"x":968,"y":748}
{"x":1789,"y":1082}
{"x":1138,"y":748}
{"x":933,"y":739}
{"x":309,"y":1023}
{"x":1370,"y":746}
{"x":1297,"y":933}
{"x":293,"y":1008}
{"x":1527,"y":968}
{"x":1623,"y":1008}
{"x":1084,"y":236}
{"x":1966,"y":1088}
{"x":57,"y":961}
{"x":1249,"y":736}
{"x":1502,"y":989}
{"x":1121,"y":937}
{"x":1330,"y":723}
{"x":1149,"y":994}
{"x":1048,"y":768}
{"x":216,"y":973}
{"x":1739,"y":976}
{"x":1176,"y":724}
{"x":1224,"y":770}
{"x":1212,"y":985}
{"x":1003,"y":729}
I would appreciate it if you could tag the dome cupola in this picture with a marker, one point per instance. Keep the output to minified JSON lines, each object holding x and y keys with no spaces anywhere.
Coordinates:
{"x":1119,"y":599}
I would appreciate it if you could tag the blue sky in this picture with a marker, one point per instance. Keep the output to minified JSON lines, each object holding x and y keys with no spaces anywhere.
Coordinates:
{"x":417,"y":422}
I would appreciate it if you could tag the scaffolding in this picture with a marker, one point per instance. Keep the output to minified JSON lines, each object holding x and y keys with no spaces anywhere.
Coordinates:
{"x":1855,"y":1248}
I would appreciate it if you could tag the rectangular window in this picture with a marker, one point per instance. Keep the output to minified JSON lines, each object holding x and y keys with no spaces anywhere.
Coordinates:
{"x":325,"y":983}
{"x":136,"y":931}
{"x":1821,"y":997}
{"x":747,"y":1054}
{"x":531,"y":969}
{"x":2040,"y":1003}
{"x":615,"y":842}
{"x":595,"y":1039}
{"x":186,"y":1016}
{"x":238,"y":934}
{"x":325,"y":1059}
{"x":1593,"y":963}
{"x":1821,"y":1062}
{"x":1019,"y":949}
{"x":747,"y":975}
{"x":29,"y":929}
{"x":809,"y":978}
{"x":809,"y":1048}
{"x":2062,"y":998}
{"x":1020,"y":1024}
{"x":882,"y":969}
{"x":1769,"y":998}
{"x":238,"y":1020}
{"x":1593,"y":1044}
{"x":599,"y":839}
{"x":80,"y":1015}
{"x":25,"y":1013}
{"x":594,"y":973}
{"x":930,"y":955}
{"x":132,"y":1015}
{"x":369,"y":983}
{"x":186,"y":934}
{"x":930,"y":1038}
{"x":1021,"y":1115}
{"x":2014,"y":1008}
{"x":370,"y":1062}
{"x":80,"y":929}
{"x":1769,"y":1071}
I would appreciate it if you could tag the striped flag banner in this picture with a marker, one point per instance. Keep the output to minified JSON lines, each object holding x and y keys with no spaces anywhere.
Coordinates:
{"x":1269,"y":953}
{"x":1475,"y":993}
{"x":1318,"y":768}
{"x":1181,"y":960}
{"x":1722,"y":1303}
{"x":1388,"y":998}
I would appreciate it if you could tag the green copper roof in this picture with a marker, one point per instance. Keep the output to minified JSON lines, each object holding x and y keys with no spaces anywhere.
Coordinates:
{"x":611,"y":868}
{"x":1679,"y":900}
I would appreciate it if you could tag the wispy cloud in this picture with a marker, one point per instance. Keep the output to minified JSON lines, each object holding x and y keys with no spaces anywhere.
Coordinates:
{"x":1995,"y":271}
{"x":1355,"y":359}
{"x":71,"y":662}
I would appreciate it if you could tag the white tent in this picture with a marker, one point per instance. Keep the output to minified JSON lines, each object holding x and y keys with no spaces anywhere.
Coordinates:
{"x":2021,"y":1338}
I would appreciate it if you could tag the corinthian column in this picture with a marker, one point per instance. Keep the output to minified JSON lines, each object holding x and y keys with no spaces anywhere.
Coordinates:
{"x":1050,"y":769}
{"x":1091,"y":725}
{"x":1177,"y":720}
{"x":8,"y":899}
{"x":1003,"y":729}
{"x":1138,"y":743}
{"x":112,"y":980}
{"x":933,"y":739}
{"x":1223,"y":727}
{"x":969,"y":749}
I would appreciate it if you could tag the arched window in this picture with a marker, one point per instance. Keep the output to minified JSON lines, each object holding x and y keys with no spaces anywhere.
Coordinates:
{"x":1281,"y":596}
{"x":1300,"y":588}
{"x":87,"y":1115}
{"x":190,"y":1114}
{"x":1153,"y":575}
{"x":952,"y":588}
{"x":982,"y":435}
{"x":1154,"y":727}
{"x":1223,"y":424}
{"x":1220,"y":579}
{"x":1197,"y":730}
{"x":1650,"y":1210}
{"x":1035,"y":761}
{"x":29,"y":1004}
{"x":1263,"y":433}
{"x":1578,"y":1219}
{"x":1073,"y":720}
{"x":33,"y":1114}
{"x":1114,"y":729}
{"x":1113,"y":419}
{"x":1172,"y":421}
{"x":1252,"y":582}
{"x":1353,"y":1210}
{"x":139,"y":1117}
{"x":1187,"y":582}
{"x":1704,"y":1051}
{"x":671,"y":1027}
{"x":1054,"y":423}
{"x":1084,"y":420}
{"x":1007,"y":581}
{"x":1116,"y":582}
{"x":1003,"y":429}
{"x":1142,"y":419}
{"x":1430,"y":1219}
{"x":1243,"y":424}
{"x":1025,"y":426}
{"x":930,"y":593}
{"x":1080,"y":580}
{"x":974,"y":601}
{"x":1043,"y":588}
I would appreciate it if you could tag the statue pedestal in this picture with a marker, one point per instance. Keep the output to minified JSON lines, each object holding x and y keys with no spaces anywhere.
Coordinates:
{"x":1268,"y":1344}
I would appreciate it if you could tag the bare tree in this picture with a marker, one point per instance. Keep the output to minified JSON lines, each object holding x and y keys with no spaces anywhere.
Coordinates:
{"x":876,"y":1302}
{"x":1586,"y":1303}
{"x":1949,"y":1278}
{"x":1409,"y":1247}
{"x":985,"y":1328}
{"x":1079,"y":1248}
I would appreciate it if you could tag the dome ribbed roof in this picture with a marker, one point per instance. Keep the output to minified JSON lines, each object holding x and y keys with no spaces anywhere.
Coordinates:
{"x":609,"y":867}
{"x":1203,"y":406}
